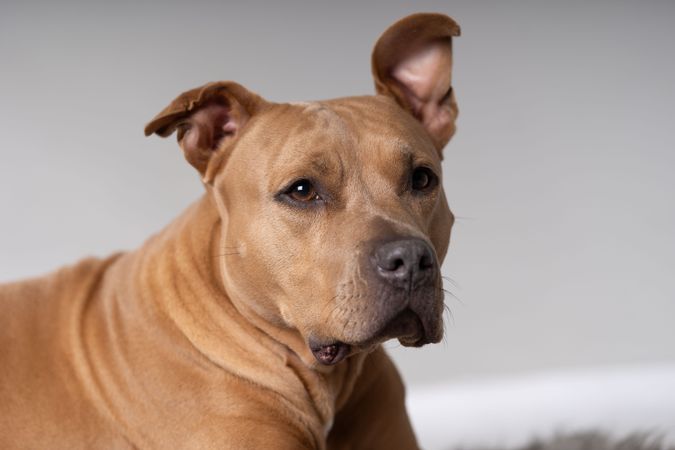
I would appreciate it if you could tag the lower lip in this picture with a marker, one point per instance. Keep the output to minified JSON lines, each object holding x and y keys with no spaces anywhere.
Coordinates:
{"x":330,"y":354}
{"x":406,"y":324}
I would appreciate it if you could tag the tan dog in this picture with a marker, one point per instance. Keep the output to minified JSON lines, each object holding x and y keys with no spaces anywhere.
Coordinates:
{"x":254,"y":319}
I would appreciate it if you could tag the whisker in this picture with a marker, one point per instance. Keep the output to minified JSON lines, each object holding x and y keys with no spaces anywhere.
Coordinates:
{"x":451,"y":294}
{"x":465,"y":218}
{"x":451,"y":319}
{"x":329,"y":303}
{"x":451,"y":281}
{"x":344,"y":293}
{"x":344,"y":327}
{"x":451,"y":316}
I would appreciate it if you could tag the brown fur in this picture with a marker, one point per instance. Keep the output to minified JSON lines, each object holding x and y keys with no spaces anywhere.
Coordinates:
{"x":200,"y":338}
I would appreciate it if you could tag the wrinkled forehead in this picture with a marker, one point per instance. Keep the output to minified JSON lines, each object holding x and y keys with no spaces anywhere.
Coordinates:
{"x":335,"y":134}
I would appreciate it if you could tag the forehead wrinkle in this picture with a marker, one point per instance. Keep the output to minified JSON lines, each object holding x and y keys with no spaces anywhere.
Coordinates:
{"x":320,"y":165}
{"x":341,"y":135}
{"x":320,"y":115}
{"x":401,"y":149}
{"x":314,"y":144}
{"x":380,"y":113}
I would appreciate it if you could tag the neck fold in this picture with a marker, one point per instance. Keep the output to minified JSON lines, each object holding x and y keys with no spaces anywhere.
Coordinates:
{"x":178,"y":294}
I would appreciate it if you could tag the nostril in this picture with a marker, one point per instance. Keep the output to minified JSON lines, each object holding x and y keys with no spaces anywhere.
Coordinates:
{"x":397,"y":264}
{"x":426,"y":262}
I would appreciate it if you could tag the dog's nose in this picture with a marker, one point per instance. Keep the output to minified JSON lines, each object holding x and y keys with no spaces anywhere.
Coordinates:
{"x":405,"y":262}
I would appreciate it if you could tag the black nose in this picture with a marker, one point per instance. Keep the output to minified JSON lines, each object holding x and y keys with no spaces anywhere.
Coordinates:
{"x":405,"y":262}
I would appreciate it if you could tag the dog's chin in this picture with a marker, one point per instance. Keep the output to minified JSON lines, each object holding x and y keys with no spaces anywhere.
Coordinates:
{"x":406,"y":326}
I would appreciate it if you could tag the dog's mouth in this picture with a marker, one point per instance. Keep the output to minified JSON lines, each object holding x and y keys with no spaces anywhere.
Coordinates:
{"x":406,"y":326}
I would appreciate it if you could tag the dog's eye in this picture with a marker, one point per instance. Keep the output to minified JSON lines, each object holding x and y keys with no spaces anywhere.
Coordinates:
{"x":423,"y":179}
{"x":302,"y":191}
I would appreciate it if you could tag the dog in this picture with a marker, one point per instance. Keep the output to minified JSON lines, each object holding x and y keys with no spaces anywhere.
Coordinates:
{"x":254,"y":320}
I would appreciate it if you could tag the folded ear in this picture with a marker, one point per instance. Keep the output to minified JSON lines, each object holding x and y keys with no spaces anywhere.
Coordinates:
{"x":412,"y":62}
{"x":207,"y":118}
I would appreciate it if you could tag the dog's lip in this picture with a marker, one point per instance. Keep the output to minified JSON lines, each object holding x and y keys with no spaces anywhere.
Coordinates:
{"x":406,"y":326}
{"x":329,"y":353}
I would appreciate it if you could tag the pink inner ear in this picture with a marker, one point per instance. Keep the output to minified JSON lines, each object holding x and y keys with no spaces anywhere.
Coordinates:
{"x":208,"y":126}
{"x":425,"y":74}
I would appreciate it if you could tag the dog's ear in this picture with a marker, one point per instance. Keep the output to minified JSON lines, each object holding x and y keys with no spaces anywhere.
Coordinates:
{"x":412,"y":62}
{"x":207,"y":119}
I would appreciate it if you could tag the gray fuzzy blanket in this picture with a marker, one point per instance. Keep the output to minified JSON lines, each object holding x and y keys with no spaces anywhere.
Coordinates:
{"x":594,"y":441}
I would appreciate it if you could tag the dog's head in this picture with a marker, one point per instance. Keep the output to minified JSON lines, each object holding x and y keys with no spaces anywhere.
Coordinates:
{"x":334,"y":219}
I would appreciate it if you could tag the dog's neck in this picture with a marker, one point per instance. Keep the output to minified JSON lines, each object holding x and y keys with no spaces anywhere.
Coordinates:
{"x":178,"y":289}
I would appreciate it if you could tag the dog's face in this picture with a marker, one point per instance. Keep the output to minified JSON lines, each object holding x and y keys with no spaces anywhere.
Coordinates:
{"x":334,"y":219}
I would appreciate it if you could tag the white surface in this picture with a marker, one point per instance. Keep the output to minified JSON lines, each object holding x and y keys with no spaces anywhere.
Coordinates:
{"x":512,"y":411}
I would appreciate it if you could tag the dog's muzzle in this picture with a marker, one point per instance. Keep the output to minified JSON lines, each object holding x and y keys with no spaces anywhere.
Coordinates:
{"x":404,"y":301}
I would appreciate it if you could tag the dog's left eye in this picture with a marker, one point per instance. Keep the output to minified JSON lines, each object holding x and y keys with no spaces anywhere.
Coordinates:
{"x":423,"y":179}
{"x":302,"y":191}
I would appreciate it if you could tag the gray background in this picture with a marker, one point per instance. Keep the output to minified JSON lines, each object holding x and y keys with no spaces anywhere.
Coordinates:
{"x":560,"y":174}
